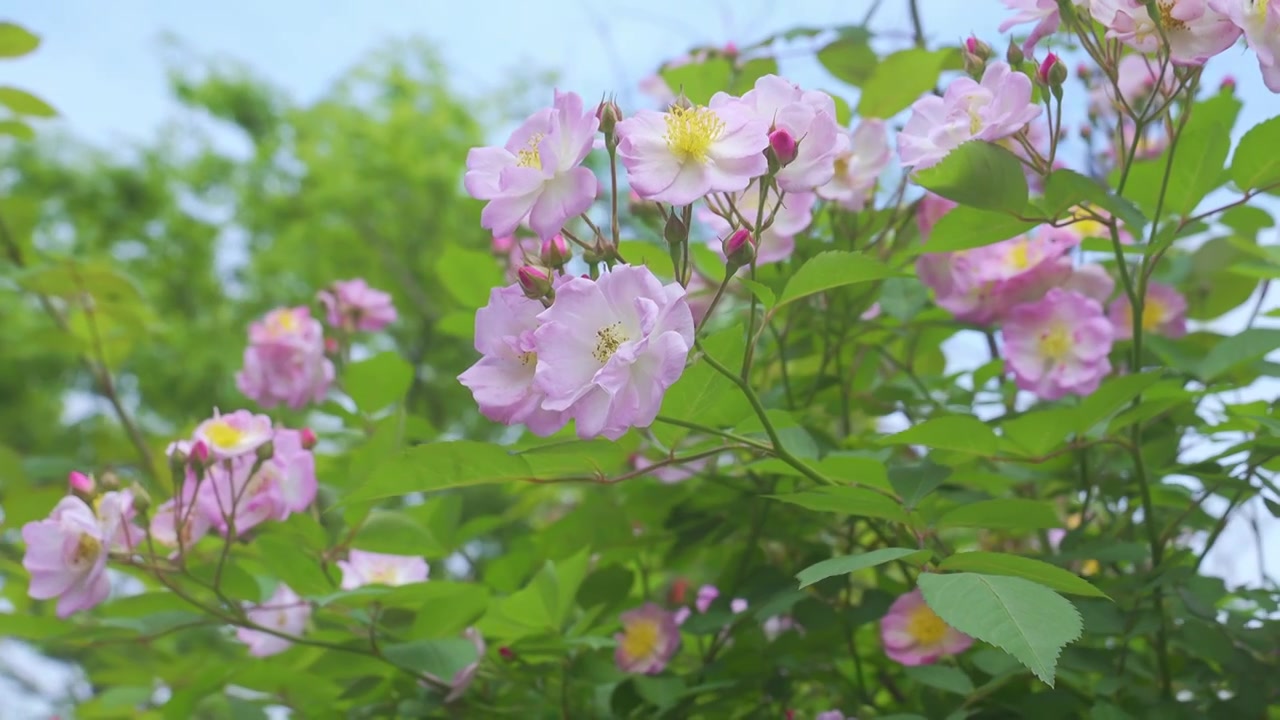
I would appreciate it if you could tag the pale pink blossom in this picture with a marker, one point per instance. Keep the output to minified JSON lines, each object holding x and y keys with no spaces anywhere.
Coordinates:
{"x":538,"y":174}
{"x":681,"y":155}
{"x":863,"y":156}
{"x":831,"y":715}
{"x":1151,"y":143}
{"x":1260,"y":22}
{"x":285,"y":362}
{"x":777,"y":242}
{"x":808,"y":117}
{"x":670,"y":474}
{"x":608,"y":349}
{"x":648,"y":641}
{"x":66,"y":556}
{"x":1137,"y":77}
{"x":1044,"y":13}
{"x":234,"y":434}
{"x":981,"y":285}
{"x":502,"y":381}
{"x":354,"y":306}
{"x":285,"y":613}
{"x":698,"y":294}
{"x":1196,"y":31}
{"x":116,"y":513}
{"x":1058,"y":345}
{"x":930,"y":210}
{"x":463,"y":678}
{"x":167,"y":519}
{"x":913,"y":634}
{"x":244,"y":492}
{"x":998,"y":107}
{"x":1164,"y":312}
{"x":369,"y":568}
{"x":1091,"y":281}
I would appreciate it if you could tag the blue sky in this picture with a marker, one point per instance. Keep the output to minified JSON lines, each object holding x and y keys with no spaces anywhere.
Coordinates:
{"x":102,"y":64}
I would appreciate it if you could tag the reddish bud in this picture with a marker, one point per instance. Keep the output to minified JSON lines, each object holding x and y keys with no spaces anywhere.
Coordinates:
{"x":1046,"y":67}
{"x":739,"y":248}
{"x":609,"y":114}
{"x":782,"y":148}
{"x":309,"y":439}
{"x":1084,"y":72}
{"x":977,"y":47}
{"x":535,"y":282}
{"x":80,"y":483}
{"x":679,"y":589}
{"x":555,"y":252}
{"x":331,"y":346}
{"x":1228,"y":84}
{"x":507,"y":653}
{"x":200,"y":452}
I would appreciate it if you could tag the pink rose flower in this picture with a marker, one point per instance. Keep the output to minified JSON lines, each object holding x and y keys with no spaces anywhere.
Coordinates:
{"x":807,"y":116}
{"x":246,"y":491}
{"x":538,"y":174}
{"x":285,"y":612}
{"x":285,"y":361}
{"x":168,"y":518}
{"x":982,"y":284}
{"x":1260,"y":22}
{"x":777,"y":242}
{"x":862,"y":157}
{"x":680,"y":155}
{"x":67,"y":557}
{"x":648,"y":641}
{"x":369,"y":568}
{"x":1058,"y":344}
{"x":996,"y":108}
{"x":914,"y":635}
{"x":502,"y":381}
{"x":1164,"y":312}
{"x":1195,"y":30}
{"x":235,"y":434}
{"x":931,"y":209}
{"x":1091,"y":281}
{"x":1044,"y":13}
{"x":354,"y":306}
{"x":608,"y":349}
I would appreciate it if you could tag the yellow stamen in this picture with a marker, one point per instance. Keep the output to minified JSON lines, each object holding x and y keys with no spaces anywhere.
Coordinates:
{"x":641,"y":639}
{"x":1056,"y":343}
{"x":1152,"y":314}
{"x":1018,"y":256}
{"x":87,"y":549}
{"x":691,"y":132}
{"x":531,"y":158}
{"x":223,"y":435}
{"x":608,"y":339}
{"x":1166,"y":16}
{"x":925,"y":626}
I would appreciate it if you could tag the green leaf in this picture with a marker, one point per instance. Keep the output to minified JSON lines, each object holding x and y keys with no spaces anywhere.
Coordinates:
{"x":832,"y":269}
{"x":1256,"y":163}
{"x":289,"y":562}
{"x":1238,"y":349}
{"x":761,"y":291}
{"x":1112,"y":397}
{"x":24,"y":103}
{"x":751,"y":71}
{"x":1002,"y":514}
{"x":942,"y":677}
{"x":442,"y":658}
{"x":376,"y":382}
{"x":1197,"y":167}
{"x":661,"y":691}
{"x":1211,"y":290}
{"x":850,"y":59}
{"x":965,"y":228}
{"x":16,"y":41}
{"x":851,"y":563}
{"x":435,"y":466}
{"x":1038,"y":433}
{"x":995,"y":563}
{"x":699,"y":81}
{"x":702,"y":393}
{"x":387,"y":531}
{"x":1066,"y":189}
{"x":914,"y":482}
{"x":859,"y":502}
{"x":901,"y":78}
{"x":981,"y":175}
{"x":468,"y":275}
{"x":962,"y":433}
{"x":17,"y":129}
{"x":1023,"y":618}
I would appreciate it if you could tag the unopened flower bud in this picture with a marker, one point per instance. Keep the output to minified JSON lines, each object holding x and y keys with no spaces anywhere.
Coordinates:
{"x":266,"y":451}
{"x":507,"y":653}
{"x":555,"y":252}
{"x":730,"y":49}
{"x":200,"y":453}
{"x":309,"y":439}
{"x":609,"y":114}
{"x":977,"y":47}
{"x":675,"y":231}
{"x":80,"y":483}
{"x":782,"y":149}
{"x":331,"y":346}
{"x":1084,"y":72}
{"x":1014,"y":55}
{"x":1086,"y":131}
{"x":974,"y":66}
{"x":109,"y":481}
{"x":535,"y":281}
{"x":1228,"y":84}
{"x":1052,"y":74}
{"x":141,"y":498}
{"x":739,"y":248}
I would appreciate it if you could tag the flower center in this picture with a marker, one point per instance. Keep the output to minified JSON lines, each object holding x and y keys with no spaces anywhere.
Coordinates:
{"x":842,"y":165}
{"x":926,"y":627}
{"x":691,"y":131}
{"x":1152,"y":314}
{"x":223,"y":435}
{"x":1056,"y":343}
{"x":1166,"y":16}
{"x":1019,"y":256}
{"x":530,"y":157}
{"x":641,"y":639}
{"x":87,"y":550}
{"x":528,"y":357}
{"x":383,"y":576}
{"x":608,"y":339}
